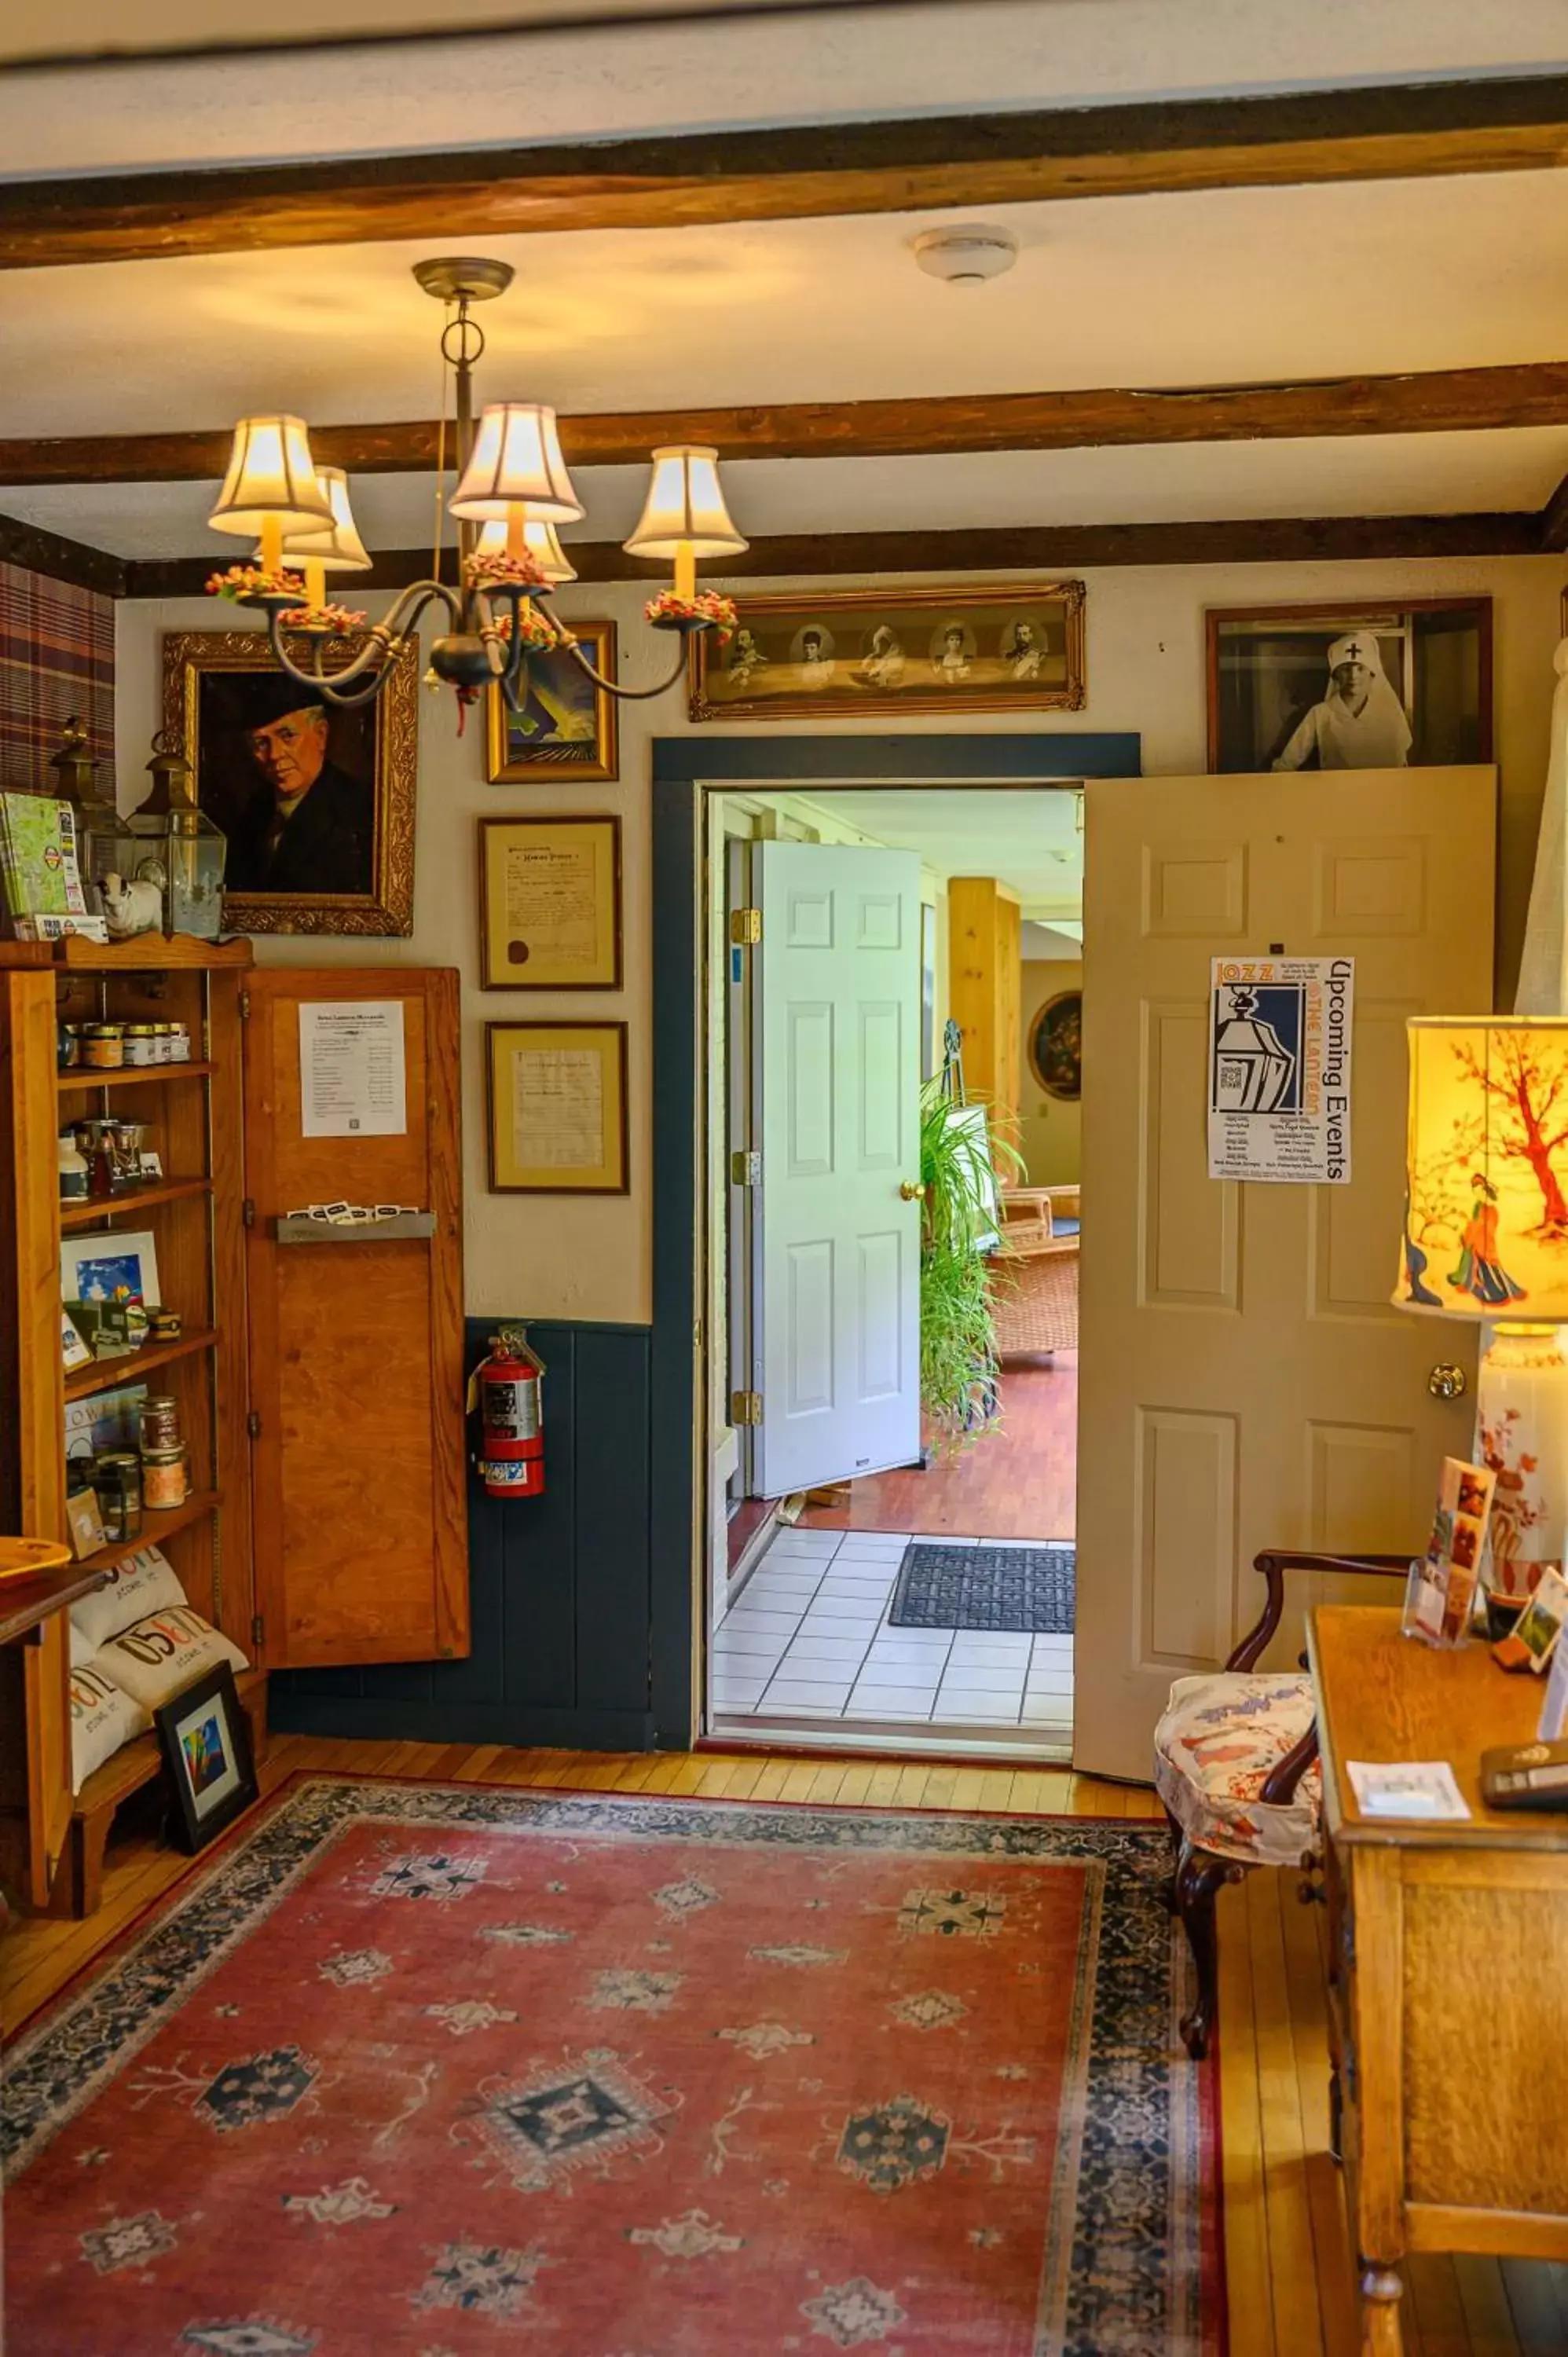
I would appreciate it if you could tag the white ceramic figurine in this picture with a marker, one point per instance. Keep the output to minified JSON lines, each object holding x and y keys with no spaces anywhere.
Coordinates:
{"x":130,"y":907}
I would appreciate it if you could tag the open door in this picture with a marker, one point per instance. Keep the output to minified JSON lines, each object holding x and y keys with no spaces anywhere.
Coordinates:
{"x":1244,"y":1382}
{"x":836,"y":1080}
{"x":356,"y":1333}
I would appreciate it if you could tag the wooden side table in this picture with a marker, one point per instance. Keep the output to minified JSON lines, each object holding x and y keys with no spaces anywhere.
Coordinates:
{"x":1447,"y":1947}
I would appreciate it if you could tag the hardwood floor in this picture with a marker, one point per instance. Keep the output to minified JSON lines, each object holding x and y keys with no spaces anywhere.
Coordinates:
{"x":1287,"y":2259}
{"x":1020,"y":1482}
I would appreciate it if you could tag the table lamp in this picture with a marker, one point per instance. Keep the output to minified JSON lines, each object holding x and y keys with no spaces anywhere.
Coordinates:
{"x":1486,"y":1237}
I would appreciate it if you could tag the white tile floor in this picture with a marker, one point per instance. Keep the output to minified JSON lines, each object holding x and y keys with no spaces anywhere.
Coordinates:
{"x":808,"y":1638}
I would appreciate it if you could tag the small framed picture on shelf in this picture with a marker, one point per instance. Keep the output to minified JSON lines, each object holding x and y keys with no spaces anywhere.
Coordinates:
{"x":550,"y":903}
{"x":114,"y":1266}
{"x":556,"y":1098}
{"x":565,"y":726}
{"x":206,"y":1739}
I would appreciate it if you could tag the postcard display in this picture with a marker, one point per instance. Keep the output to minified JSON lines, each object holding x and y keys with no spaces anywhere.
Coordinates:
{"x":135,"y":1049}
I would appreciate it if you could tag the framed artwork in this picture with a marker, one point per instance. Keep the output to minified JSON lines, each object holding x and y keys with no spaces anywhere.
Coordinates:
{"x":318,"y":804}
{"x":118,"y":1264}
{"x":550,"y":903}
{"x":895,"y":651}
{"x":567,"y":727}
{"x":1405,"y":683}
{"x":1056,"y":1046}
{"x":556,"y":1102}
{"x":206,"y":1741}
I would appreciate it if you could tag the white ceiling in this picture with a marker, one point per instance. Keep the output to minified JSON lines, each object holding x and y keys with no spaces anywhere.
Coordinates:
{"x":1228,"y":286}
{"x":1406,"y":474}
{"x":1028,"y":840}
{"x":586,"y":84}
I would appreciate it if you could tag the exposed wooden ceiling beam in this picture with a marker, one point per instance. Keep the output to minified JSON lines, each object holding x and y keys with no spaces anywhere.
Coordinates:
{"x":1029,"y":548}
{"x":1440,"y":401}
{"x":1554,"y":521}
{"x":61,"y":560}
{"x":797,"y":171}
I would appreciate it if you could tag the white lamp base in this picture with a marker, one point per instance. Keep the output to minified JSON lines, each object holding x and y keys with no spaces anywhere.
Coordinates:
{"x":1521,"y":1416}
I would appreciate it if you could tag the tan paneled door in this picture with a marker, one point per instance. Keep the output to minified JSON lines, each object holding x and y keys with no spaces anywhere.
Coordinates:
{"x":356,"y":1333}
{"x":1243,"y":1382}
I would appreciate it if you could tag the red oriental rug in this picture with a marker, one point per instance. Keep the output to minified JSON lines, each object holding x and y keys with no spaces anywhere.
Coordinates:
{"x":410,"y":2068}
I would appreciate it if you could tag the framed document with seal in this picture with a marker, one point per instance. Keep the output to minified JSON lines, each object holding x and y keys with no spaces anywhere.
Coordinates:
{"x":557,"y":1108}
{"x":550,"y":903}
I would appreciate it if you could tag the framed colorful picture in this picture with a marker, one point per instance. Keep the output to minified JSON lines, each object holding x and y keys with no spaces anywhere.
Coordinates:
{"x":556,"y":1096}
{"x":317,"y":803}
{"x":550,"y":903}
{"x":1056,"y":1046}
{"x":116,"y":1264}
{"x":206,"y":1741}
{"x":1021,"y":648}
{"x":1406,"y":683}
{"x":565,"y":726}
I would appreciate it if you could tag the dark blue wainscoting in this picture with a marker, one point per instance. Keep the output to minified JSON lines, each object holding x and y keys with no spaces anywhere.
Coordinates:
{"x":560,"y":1585}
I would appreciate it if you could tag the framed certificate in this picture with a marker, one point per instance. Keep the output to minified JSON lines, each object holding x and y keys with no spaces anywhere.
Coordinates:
{"x":550,"y":903}
{"x":557,"y":1108}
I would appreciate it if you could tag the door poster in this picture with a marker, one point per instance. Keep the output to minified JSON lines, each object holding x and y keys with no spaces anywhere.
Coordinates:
{"x":351,"y":1078}
{"x":1279,"y":1068}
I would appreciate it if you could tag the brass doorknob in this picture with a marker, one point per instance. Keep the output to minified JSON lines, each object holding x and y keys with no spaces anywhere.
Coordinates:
{"x":913,"y":1190}
{"x":1447,"y":1383}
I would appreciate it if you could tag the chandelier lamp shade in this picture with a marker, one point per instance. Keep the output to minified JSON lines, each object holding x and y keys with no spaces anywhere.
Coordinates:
{"x":512,"y":490}
{"x":1486,"y":1238}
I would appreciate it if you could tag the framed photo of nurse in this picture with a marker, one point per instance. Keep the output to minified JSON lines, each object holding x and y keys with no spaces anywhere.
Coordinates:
{"x":318,"y":804}
{"x":1406,"y":683}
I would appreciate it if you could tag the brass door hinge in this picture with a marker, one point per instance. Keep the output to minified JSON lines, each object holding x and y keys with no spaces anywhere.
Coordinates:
{"x":746,"y":1171}
{"x":258,"y":1631}
{"x":745,"y":927}
{"x":245,"y":1006}
{"x":247,"y":1212}
{"x":254,"y":1423}
{"x":745,"y":1407}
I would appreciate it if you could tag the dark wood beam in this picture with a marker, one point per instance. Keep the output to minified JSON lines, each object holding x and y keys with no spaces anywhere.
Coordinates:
{"x":797,"y":171}
{"x":1441,"y":400}
{"x":1554,"y":521}
{"x":61,"y":560}
{"x":1028,"y":548}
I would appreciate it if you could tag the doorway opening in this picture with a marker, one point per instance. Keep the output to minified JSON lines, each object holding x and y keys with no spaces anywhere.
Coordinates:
{"x":894,"y":1223}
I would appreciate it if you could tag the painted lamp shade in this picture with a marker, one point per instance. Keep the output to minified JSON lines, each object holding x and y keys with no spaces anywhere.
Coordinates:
{"x":1486,"y":1237}
{"x":1486,"y":1168}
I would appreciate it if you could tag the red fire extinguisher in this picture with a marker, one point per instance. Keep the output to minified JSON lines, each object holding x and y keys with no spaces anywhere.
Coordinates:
{"x":506,"y":1389}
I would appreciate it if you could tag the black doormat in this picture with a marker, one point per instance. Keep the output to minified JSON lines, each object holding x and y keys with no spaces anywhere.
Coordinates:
{"x":1014,"y":1588}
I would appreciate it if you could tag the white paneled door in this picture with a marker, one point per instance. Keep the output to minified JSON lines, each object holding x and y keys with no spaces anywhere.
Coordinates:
{"x":1244,"y":1382}
{"x":836,"y":1328}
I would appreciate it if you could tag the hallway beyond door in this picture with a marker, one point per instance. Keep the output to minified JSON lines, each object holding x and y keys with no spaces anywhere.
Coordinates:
{"x":1019,"y":1482}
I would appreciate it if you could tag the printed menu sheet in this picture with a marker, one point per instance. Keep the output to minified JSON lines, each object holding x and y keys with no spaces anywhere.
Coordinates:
{"x":352,"y":1081}
{"x":1279,"y":1068}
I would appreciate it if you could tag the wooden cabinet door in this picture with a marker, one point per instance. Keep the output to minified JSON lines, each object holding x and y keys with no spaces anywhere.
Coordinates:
{"x":357,"y":1341}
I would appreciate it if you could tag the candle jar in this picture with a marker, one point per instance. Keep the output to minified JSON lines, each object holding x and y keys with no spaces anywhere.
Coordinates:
{"x":104,"y":1046}
{"x":166,"y":1478}
{"x":117,"y":1478}
{"x":157,"y":1423}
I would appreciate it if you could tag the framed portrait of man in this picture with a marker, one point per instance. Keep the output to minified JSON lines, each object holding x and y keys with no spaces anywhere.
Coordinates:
{"x":318,"y":804}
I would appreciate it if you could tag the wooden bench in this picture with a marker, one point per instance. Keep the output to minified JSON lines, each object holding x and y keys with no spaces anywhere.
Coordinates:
{"x":79,"y":1885}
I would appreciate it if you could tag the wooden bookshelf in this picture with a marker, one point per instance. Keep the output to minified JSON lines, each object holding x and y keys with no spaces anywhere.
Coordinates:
{"x":129,"y":1366}
{"x":194,"y":1215}
{"x":131,"y":1076}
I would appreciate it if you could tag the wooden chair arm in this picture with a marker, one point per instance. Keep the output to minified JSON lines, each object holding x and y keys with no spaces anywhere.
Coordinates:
{"x":1273,"y":1564}
{"x":1278,"y":1787}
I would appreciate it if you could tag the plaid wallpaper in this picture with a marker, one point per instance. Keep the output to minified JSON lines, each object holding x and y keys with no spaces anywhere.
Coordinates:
{"x":57,"y":657}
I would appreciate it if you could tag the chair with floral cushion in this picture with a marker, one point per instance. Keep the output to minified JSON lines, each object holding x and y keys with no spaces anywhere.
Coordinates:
{"x":1236,"y":1765}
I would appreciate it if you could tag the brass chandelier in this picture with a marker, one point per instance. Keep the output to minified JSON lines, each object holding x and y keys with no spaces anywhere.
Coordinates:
{"x":512,"y":492}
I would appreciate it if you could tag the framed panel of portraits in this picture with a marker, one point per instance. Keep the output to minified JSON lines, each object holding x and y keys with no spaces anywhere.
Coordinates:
{"x":1406,"y":682}
{"x":895,"y":651}
{"x":567,"y":727}
{"x":318,"y":804}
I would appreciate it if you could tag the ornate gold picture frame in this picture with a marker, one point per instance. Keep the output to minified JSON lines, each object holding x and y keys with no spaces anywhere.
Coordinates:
{"x":318,"y":804}
{"x":1016,"y":648}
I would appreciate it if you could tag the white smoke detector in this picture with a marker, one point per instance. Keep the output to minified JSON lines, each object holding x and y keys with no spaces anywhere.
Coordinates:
{"x":968,"y":255}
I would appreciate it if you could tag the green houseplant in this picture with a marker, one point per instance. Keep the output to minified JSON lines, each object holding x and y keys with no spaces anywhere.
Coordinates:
{"x":958,"y":1332}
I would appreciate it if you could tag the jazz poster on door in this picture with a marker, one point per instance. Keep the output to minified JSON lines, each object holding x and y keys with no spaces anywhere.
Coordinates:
{"x":1279,"y":1036}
